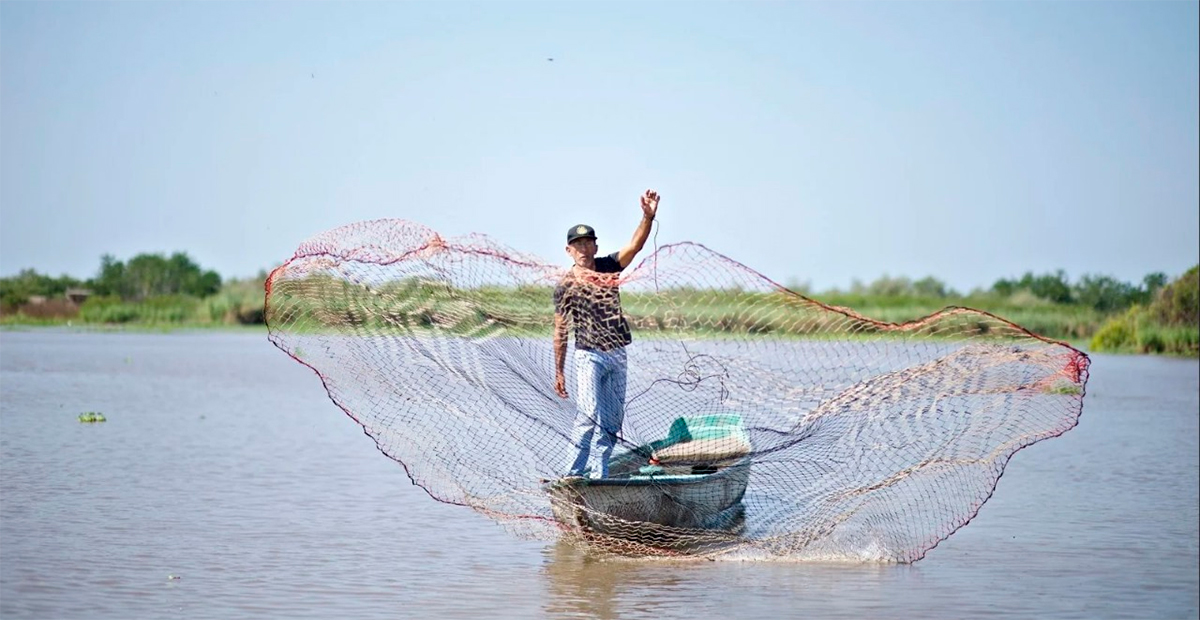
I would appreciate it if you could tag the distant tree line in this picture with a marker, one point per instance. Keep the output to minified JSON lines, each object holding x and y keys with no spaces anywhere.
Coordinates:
{"x":901,"y":286}
{"x":144,"y":276}
{"x":18,"y":289}
{"x":152,"y":275}
{"x":1103,"y":293}
{"x":148,"y":281}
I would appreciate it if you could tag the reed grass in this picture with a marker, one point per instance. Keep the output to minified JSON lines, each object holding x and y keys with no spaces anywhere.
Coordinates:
{"x":322,"y":302}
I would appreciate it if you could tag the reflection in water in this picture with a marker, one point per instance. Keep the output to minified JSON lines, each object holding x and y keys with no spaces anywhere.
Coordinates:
{"x":584,"y":583}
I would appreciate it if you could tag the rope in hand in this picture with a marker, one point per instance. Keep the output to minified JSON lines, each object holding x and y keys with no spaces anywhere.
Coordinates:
{"x":655,"y":224}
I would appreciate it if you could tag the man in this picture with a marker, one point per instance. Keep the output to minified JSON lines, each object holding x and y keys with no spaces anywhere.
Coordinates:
{"x":588,"y":299}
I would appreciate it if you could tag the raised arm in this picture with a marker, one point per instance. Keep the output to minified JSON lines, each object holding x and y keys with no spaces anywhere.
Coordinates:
{"x":649,"y":210}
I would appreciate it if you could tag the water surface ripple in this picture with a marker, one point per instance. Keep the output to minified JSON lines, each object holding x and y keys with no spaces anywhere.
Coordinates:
{"x":224,"y":463}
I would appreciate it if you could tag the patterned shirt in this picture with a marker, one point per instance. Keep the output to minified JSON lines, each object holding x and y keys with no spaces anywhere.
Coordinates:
{"x":593,"y":306}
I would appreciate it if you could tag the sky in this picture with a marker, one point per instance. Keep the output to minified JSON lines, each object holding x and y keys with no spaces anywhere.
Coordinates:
{"x":818,"y":143}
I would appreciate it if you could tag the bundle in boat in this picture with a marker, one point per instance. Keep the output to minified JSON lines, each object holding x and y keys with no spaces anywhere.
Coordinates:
{"x":701,"y":446}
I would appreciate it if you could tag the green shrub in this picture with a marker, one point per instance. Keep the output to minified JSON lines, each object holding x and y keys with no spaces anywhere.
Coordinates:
{"x":107,"y":309}
{"x":1179,"y":302}
{"x":1138,"y":330}
{"x":1172,"y":340}
{"x":161,"y":309}
{"x":1118,"y":334}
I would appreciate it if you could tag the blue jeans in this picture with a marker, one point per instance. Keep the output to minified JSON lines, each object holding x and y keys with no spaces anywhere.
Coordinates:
{"x":600,"y":394}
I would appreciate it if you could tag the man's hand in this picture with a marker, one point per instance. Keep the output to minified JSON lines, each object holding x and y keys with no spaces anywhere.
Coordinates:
{"x":649,"y":204}
{"x":560,"y":384}
{"x":649,"y":210}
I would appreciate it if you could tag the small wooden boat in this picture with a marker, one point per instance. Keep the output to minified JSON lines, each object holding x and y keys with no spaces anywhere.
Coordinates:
{"x":693,"y":479}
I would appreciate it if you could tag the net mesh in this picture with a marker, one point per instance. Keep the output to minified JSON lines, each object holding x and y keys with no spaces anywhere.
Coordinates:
{"x":755,"y":420}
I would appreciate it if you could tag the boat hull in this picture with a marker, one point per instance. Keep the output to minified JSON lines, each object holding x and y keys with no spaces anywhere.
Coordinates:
{"x":638,"y":507}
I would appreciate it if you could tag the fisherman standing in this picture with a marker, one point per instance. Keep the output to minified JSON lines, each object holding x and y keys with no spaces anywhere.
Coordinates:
{"x":588,"y":299}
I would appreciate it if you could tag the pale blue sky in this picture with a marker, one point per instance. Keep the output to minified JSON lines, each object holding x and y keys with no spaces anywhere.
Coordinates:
{"x":815,"y":142}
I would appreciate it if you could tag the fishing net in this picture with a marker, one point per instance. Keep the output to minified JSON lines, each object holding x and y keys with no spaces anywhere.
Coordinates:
{"x":755,"y":420}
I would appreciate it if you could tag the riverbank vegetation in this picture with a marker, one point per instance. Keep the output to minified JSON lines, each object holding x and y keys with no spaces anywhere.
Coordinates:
{"x":1170,"y":323}
{"x":148,"y":290}
{"x":154,"y":290}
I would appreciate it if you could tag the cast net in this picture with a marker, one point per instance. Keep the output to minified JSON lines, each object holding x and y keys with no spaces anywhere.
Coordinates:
{"x":755,"y":420}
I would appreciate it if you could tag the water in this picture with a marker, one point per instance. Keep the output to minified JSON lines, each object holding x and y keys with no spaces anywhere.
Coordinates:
{"x":224,"y":463}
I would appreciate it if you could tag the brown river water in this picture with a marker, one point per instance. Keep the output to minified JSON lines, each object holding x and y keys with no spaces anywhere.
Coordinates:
{"x":224,"y":464}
